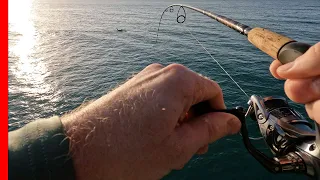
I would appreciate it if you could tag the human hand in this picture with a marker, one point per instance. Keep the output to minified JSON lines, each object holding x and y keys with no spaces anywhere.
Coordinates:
{"x":302,"y":80}
{"x":141,"y":130}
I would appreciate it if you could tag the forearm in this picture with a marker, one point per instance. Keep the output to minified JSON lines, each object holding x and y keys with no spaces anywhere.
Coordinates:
{"x":96,"y":137}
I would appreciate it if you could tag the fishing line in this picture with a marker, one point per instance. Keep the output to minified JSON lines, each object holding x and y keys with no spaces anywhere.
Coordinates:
{"x":252,"y":138}
{"x":180,"y":21}
{"x":217,"y":63}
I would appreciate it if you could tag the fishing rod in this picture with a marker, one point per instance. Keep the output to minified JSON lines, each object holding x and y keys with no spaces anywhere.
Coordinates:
{"x":275,"y":45}
{"x":290,"y":137}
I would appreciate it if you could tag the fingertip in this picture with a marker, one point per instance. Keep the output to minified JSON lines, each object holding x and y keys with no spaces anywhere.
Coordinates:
{"x":291,"y":92}
{"x":273,"y":69}
{"x":218,"y":125}
{"x":195,"y":135}
{"x":203,"y":150}
{"x":309,"y":110}
{"x":312,"y":109}
{"x":301,"y":90}
{"x":294,"y":92}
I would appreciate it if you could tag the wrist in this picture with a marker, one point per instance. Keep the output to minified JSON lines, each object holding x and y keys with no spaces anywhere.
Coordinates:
{"x":90,"y":133}
{"x":80,"y":128}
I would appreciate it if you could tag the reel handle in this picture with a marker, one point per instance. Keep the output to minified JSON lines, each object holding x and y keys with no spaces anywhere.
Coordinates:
{"x":269,"y":163}
{"x":291,"y":162}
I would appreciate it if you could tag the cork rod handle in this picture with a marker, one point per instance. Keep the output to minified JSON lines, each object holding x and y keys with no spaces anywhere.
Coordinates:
{"x":276,"y":45}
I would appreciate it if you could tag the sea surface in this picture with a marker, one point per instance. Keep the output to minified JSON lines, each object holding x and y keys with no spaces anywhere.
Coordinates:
{"x":65,"y":52}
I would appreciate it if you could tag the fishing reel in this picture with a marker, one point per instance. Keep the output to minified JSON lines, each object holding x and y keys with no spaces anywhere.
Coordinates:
{"x":290,"y":137}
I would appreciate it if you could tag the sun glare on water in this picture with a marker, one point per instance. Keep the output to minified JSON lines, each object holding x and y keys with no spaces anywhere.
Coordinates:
{"x":27,"y":69}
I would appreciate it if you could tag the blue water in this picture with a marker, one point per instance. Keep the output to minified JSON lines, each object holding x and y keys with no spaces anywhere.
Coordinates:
{"x":62,"y":53}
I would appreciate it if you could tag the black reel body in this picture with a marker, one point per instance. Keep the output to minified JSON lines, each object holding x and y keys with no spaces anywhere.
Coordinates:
{"x":290,"y":137}
{"x":282,"y":127}
{"x":295,"y":145}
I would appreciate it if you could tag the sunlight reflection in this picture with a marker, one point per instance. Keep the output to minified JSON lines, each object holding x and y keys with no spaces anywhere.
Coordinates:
{"x":27,"y":69}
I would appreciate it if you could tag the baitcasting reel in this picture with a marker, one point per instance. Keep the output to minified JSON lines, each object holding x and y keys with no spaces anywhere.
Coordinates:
{"x":290,"y":137}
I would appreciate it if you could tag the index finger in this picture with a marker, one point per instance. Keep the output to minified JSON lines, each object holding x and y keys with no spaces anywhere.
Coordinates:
{"x":273,"y":68}
{"x":196,"y":88}
{"x":208,"y":90}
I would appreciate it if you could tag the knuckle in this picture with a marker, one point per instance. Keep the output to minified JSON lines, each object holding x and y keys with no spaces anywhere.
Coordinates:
{"x":214,"y":84}
{"x":179,"y":76}
{"x":215,"y":131}
{"x":211,"y":130}
{"x":317,"y":47}
{"x":204,"y":85}
{"x":154,"y":66}
{"x":217,"y":87}
{"x":177,"y":68}
{"x":316,"y":50}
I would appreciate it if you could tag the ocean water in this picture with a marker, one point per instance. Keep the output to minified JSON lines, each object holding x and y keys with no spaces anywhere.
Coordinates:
{"x":65,"y":52}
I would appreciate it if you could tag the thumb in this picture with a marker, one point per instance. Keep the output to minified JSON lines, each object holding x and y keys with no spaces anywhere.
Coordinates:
{"x":195,"y":135}
{"x":207,"y":129}
{"x":305,"y":66}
